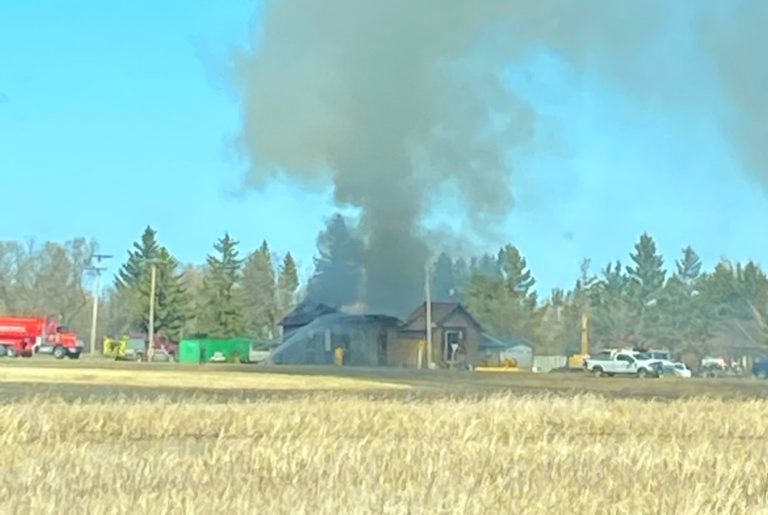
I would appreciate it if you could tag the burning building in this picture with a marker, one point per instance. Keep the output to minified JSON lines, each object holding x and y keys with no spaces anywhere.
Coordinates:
{"x":365,"y":339}
{"x":313,"y":332}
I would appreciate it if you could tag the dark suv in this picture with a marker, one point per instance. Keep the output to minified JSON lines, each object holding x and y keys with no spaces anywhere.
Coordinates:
{"x":760,"y":368}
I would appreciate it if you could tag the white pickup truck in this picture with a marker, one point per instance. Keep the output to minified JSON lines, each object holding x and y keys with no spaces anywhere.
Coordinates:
{"x":623,"y":362}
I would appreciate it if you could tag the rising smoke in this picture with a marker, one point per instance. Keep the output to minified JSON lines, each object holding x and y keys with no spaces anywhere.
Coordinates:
{"x":389,"y":100}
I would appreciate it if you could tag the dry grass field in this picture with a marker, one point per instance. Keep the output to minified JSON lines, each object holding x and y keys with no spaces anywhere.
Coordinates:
{"x":353,"y":452}
{"x":209,"y":379}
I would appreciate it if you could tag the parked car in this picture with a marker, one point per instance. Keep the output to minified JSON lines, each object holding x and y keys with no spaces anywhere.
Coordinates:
{"x":676,"y":370}
{"x":760,"y":368}
{"x":713,"y":367}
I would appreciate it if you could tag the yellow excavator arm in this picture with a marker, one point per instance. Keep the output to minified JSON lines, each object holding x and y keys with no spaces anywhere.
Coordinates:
{"x":577,"y":360}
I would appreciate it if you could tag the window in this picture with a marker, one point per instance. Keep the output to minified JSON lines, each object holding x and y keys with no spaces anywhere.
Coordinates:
{"x":625,"y":358}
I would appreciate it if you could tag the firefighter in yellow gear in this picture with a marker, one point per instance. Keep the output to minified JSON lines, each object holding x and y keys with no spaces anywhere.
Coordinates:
{"x":422,"y":352}
{"x":339,"y":356}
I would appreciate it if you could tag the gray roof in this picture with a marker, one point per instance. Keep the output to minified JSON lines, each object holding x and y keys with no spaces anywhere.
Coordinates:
{"x":305,"y":313}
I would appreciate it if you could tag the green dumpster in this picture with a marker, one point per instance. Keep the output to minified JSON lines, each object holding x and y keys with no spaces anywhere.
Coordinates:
{"x":231,"y":350}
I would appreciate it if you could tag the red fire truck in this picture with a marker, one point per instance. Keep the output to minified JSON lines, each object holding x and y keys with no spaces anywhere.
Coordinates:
{"x":24,"y":336}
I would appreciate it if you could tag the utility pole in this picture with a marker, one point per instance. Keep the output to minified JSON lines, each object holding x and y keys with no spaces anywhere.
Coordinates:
{"x":149,"y":350}
{"x":428,"y":309}
{"x":96,"y":293}
{"x":152,"y":312}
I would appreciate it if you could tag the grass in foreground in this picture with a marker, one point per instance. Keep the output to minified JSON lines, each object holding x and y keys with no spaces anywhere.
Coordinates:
{"x":334,"y":453}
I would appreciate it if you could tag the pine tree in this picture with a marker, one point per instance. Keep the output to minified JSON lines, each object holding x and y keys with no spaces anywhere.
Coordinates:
{"x":339,"y":270}
{"x":503,"y":302}
{"x":461,"y":277}
{"x":133,"y":285}
{"x":443,"y":281}
{"x":487,"y":265}
{"x":689,"y":267}
{"x":222,"y":298}
{"x":647,"y":281}
{"x":612,"y":320}
{"x":287,"y":284}
{"x":260,"y":288}
{"x":172,"y":302}
{"x":516,"y":275}
{"x":648,"y":274}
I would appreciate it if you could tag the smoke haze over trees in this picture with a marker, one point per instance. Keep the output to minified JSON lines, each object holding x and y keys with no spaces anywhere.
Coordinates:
{"x":388,"y":101}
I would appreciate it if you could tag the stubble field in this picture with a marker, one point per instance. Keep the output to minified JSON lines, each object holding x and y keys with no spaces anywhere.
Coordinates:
{"x":380,"y":448}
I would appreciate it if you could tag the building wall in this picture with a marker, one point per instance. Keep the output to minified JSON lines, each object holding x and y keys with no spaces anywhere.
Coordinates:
{"x":403,"y":350}
{"x":472,"y":337}
{"x":364,"y":345}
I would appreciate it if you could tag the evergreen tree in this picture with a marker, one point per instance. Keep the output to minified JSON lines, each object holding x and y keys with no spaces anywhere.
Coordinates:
{"x":133,"y":285}
{"x":647,"y":281}
{"x":443,"y":280}
{"x":223,"y":300}
{"x":192,"y":280}
{"x":461,"y":277}
{"x":517,"y":277}
{"x":612,"y":319}
{"x":339,"y":270}
{"x":487,"y":265}
{"x":172,"y":298}
{"x":647,"y":275}
{"x":261,"y":292}
{"x":503,"y":302}
{"x":689,"y":267}
{"x":287,"y":284}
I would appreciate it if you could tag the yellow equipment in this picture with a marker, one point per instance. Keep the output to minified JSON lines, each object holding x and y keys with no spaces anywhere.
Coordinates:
{"x":577,"y":360}
{"x":116,"y":348}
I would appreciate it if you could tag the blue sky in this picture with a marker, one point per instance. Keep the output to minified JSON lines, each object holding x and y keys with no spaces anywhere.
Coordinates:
{"x":112,"y":119}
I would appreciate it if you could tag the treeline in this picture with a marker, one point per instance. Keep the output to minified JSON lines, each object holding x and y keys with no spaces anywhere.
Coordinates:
{"x":234,"y":293}
{"x":47,"y":278}
{"x":643,"y":303}
{"x":230,"y":295}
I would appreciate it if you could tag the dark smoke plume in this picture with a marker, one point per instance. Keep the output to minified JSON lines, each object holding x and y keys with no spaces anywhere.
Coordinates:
{"x":391,"y":99}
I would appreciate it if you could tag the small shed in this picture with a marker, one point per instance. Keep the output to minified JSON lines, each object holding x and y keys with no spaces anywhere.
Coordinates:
{"x":516,"y":348}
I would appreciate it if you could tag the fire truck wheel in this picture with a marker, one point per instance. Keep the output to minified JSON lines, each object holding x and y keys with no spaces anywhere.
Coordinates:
{"x":76,"y":355}
{"x":59,"y":352}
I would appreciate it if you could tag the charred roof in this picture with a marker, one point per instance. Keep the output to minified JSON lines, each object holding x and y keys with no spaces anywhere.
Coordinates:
{"x":305,"y":313}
